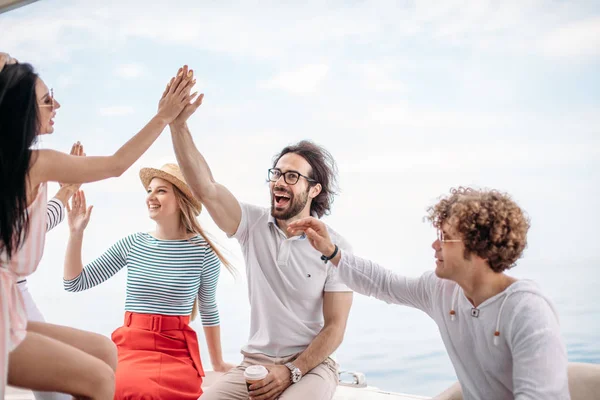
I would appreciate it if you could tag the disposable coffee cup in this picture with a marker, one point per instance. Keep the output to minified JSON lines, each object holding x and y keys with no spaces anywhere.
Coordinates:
{"x":254,"y":373}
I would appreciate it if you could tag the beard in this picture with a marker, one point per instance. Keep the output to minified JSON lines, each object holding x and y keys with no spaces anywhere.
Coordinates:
{"x":293,"y":208}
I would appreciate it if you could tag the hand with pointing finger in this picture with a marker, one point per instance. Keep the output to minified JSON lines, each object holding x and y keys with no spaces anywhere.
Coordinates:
{"x":316,"y":232}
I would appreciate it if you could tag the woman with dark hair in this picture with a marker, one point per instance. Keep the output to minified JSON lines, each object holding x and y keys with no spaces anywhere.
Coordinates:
{"x":37,"y":355}
{"x":55,"y":214}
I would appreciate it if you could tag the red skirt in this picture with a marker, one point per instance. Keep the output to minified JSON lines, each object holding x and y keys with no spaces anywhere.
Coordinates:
{"x":159,"y":358}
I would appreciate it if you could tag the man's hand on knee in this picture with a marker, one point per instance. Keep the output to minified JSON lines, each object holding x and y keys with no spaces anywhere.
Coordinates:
{"x":278,"y":379}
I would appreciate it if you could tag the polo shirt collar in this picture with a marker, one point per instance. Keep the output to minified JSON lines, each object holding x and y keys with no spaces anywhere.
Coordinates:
{"x":271,"y":221}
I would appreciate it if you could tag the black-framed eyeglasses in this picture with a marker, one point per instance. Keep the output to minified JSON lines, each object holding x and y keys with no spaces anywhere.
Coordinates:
{"x":290,"y":177}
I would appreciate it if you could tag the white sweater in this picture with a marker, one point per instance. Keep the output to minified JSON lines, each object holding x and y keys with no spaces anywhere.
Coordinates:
{"x":526,"y":359}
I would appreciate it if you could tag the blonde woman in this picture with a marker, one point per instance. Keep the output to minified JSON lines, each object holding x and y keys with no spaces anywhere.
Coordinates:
{"x":170,"y":272}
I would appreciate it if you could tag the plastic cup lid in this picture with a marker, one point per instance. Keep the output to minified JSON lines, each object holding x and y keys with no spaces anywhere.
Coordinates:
{"x":256,"y":372}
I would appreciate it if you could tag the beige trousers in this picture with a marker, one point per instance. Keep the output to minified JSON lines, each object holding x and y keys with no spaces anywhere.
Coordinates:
{"x":318,"y":384}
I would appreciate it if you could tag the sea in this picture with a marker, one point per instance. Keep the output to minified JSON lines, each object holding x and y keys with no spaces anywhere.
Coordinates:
{"x":397,"y":348}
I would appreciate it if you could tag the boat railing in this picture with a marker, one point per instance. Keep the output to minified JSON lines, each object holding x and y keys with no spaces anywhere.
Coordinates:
{"x":357,"y":379}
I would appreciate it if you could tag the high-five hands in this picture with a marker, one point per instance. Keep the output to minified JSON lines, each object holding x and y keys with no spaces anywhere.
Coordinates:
{"x":192,"y":105}
{"x":176,"y":95}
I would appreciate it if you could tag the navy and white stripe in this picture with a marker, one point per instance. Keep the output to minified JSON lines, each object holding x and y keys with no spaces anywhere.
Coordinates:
{"x":55,"y":213}
{"x":163,"y":276}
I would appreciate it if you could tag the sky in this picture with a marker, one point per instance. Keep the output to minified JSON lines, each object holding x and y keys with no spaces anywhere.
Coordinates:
{"x":412,"y":98}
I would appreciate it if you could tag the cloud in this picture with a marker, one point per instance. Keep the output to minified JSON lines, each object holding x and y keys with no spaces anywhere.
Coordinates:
{"x":66,"y":81}
{"x":580,"y":39}
{"x":407,"y":116}
{"x":129,"y":71}
{"x":46,"y":33}
{"x":303,"y":80}
{"x":116,"y":111}
{"x":304,"y":31}
{"x":487,"y":156}
{"x":378,"y":76}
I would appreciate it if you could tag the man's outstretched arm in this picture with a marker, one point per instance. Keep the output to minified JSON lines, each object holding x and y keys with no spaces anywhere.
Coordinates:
{"x":221,"y":204}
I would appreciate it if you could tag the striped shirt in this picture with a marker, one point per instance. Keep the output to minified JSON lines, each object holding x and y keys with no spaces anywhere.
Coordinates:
{"x":55,"y":213}
{"x":163,"y":276}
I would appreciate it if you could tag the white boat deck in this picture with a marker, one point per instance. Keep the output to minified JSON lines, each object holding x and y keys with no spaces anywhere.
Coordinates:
{"x":351,"y":391}
{"x":343,"y":393}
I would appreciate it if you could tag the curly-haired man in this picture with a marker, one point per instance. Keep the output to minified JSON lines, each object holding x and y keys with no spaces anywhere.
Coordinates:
{"x":502,"y":334}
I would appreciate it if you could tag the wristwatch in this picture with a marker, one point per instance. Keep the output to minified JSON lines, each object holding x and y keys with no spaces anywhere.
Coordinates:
{"x":296,"y":373}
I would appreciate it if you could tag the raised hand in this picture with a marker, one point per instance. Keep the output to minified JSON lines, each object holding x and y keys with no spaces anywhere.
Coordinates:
{"x":69,"y":189}
{"x":6,"y":59}
{"x":176,"y":95}
{"x":76,"y":150}
{"x":190,"y":107}
{"x":316,"y":232}
{"x":78,"y":213}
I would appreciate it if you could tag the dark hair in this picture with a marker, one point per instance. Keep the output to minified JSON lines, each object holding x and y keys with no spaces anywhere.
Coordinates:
{"x":323,"y":170}
{"x":19,"y":124}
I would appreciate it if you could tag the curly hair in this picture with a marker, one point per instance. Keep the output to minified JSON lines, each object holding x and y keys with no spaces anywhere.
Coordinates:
{"x":490,"y":223}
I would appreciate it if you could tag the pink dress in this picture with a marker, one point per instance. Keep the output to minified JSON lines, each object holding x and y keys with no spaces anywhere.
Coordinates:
{"x":13,"y":317}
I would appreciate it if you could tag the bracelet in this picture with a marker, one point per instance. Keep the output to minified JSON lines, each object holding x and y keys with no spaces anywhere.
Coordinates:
{"x":325,"y":258}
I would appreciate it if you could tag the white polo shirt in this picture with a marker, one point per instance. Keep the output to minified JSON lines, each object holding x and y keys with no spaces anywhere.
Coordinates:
{"x":286,"y":282}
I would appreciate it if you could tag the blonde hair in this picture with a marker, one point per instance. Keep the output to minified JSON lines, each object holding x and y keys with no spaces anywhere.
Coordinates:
{"x":191,"y":224}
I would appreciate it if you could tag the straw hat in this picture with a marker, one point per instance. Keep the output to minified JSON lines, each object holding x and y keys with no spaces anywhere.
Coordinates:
{"x":171,"y":173}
